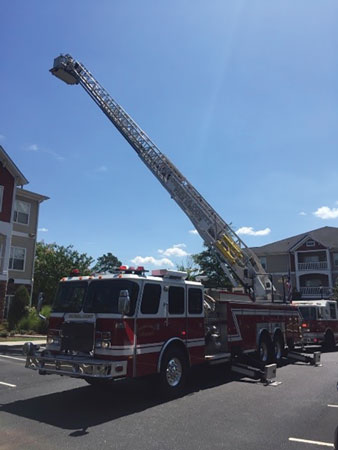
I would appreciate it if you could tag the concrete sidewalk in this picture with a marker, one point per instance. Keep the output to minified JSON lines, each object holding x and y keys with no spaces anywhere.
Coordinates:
{"x":15,"y":347}
{"x":21,"y":343}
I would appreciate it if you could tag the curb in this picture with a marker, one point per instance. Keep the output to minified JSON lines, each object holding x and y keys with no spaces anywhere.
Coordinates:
{"x":17,"y":349}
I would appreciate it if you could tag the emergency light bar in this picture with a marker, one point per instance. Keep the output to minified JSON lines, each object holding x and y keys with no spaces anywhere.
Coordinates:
{"x":165,"y":273}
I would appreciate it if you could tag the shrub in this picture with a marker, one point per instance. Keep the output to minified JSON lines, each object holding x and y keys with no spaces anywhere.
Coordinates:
{"x":18,"y":306}
{"x":32,"y":323}
{"x":3,"y":333}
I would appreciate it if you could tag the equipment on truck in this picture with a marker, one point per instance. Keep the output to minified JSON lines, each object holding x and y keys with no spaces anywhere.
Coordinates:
{"x":320,"y":322}
{"x":129,"y":324}
{"x":239,"y":263}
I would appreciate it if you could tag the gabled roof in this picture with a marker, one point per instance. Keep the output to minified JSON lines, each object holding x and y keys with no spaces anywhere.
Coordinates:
{"x":12,"y":168}
{"x":31,"y":195}
{"x":327,"y":236}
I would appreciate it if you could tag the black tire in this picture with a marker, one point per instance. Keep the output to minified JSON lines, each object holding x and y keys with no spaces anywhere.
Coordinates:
{"x":97,"y":382}
{"x":329,"y":342}
{"x":173,"y":374}
{"x":264,"y":349}
{"x":278,"y":347}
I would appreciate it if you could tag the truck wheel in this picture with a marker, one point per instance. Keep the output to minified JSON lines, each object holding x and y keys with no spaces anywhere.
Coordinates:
{"x":329,"y":342}
{"x":278,"y":347}
{"x":173,"y":372}
{"x":264,"y":349}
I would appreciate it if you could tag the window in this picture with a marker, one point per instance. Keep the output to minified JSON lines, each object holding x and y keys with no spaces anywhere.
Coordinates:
{"x":263,"y":261}
{"x":21,"y":212}
{"x":151,"y":298}
{"x":195,"y":301}
{"x":310,"y":243}
{"x":17,"y":258}
{"x":176,"y":300}
{"x":311,"y":258}
{"x":335,"y":259}
{"x":69,"y":297}
{"x":308,"y":312}
{"x":314,"y":282}
{"x":103,"y":296}
{"x":1,"y":196}
{"x":333,"y":313}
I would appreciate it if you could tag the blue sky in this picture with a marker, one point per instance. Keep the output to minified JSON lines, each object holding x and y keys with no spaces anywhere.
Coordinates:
{"x":240,"y":95}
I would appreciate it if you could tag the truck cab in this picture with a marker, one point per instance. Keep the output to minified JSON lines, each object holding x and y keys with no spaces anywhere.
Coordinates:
{"x":320,"y":322}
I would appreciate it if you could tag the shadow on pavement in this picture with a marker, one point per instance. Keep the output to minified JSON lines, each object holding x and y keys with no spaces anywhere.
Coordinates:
{"x":84,"y":407}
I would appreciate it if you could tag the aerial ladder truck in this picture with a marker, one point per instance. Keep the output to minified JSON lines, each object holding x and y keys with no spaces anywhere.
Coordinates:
{"x":240,"y":264}
{"x":128,"y":324}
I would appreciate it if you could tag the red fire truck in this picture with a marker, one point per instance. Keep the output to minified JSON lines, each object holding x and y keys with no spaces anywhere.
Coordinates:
{"x":128,"y":324}
{"x":320,"y":324}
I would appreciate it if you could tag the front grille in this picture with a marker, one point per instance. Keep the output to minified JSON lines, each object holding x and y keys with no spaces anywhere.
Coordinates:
{"x":77,"y":336}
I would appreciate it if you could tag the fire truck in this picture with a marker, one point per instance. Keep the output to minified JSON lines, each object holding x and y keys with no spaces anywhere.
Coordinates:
{"x":130,"y":324}
{"x":320,"y":322}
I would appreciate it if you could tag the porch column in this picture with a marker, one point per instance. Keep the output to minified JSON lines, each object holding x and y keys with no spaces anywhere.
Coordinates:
{"x":328,"y":259}
{"x":3,"y":289}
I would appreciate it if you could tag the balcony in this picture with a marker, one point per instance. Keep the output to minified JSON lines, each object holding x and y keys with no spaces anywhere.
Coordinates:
{"x":319,"y":265}
{"x":315,"y":292}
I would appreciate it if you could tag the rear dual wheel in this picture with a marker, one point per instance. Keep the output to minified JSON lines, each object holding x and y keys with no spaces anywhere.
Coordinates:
{"x":270,"y":351}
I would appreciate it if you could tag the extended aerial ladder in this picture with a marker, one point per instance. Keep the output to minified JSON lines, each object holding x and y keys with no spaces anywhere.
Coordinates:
{"x":239,"y":263}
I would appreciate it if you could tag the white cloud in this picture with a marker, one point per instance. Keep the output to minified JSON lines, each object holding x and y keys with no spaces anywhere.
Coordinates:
{"x":2,"y":137}
{"x":175,"y":250}
{"x":193,"y":231}
{"x":161,"y":263}
{"x":101,"y":169}
{"x":43,"y":230}
{"x":36,"y":148}
{"x":302,"y":213}
{"x":54,"y":154}
{"x":32,"y":148}
{"x":251,"y":232}
{"x":324,"y":212}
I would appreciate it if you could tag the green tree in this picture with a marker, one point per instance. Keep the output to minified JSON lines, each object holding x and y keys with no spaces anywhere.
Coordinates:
{"x":18,"y":307}
{"x":106,"y":263}
{"x":190,"y":268}
{"x":52,"y":262}
{"x":209,"y":266}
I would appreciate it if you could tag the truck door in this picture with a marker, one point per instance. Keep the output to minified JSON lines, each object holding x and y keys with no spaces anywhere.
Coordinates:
{"x":148,"y":343}
{"x":195,"y":325}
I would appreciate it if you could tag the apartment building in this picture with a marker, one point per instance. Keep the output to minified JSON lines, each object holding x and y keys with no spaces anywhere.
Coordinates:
{"x":19,"y":211}
{"x":309,"y":261}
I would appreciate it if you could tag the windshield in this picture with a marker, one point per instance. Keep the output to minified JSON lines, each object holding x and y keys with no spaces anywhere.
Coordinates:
{"x":308,"y":312}
{"x":103,"y":296}
{"x":70,"y":296}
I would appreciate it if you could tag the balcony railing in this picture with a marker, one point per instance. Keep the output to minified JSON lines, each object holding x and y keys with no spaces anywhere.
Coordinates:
{"x":319,"y":265}
{"x":315,"y":292}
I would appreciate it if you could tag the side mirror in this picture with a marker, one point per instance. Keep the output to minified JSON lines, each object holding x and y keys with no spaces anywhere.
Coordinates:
{"x":124,"y":302}
{"x":39,"y":305}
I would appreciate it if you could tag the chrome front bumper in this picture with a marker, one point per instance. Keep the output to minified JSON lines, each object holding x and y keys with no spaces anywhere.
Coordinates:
{"x":75,"y":366}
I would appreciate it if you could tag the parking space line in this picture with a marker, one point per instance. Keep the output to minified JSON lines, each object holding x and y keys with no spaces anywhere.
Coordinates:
{"x":332,"y":406}
{"x":12,"y":357}
{"x":306,"y":441}
{"x":7,"y":384}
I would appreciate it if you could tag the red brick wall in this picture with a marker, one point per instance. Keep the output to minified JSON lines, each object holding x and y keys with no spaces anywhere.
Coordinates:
{"x":6,"y":180}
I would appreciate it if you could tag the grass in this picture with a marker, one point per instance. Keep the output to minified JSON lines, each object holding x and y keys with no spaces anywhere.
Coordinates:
{"x":21,"y":338}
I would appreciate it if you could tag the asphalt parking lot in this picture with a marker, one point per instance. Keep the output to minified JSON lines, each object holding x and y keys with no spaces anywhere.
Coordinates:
{"x":218,"y":411}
